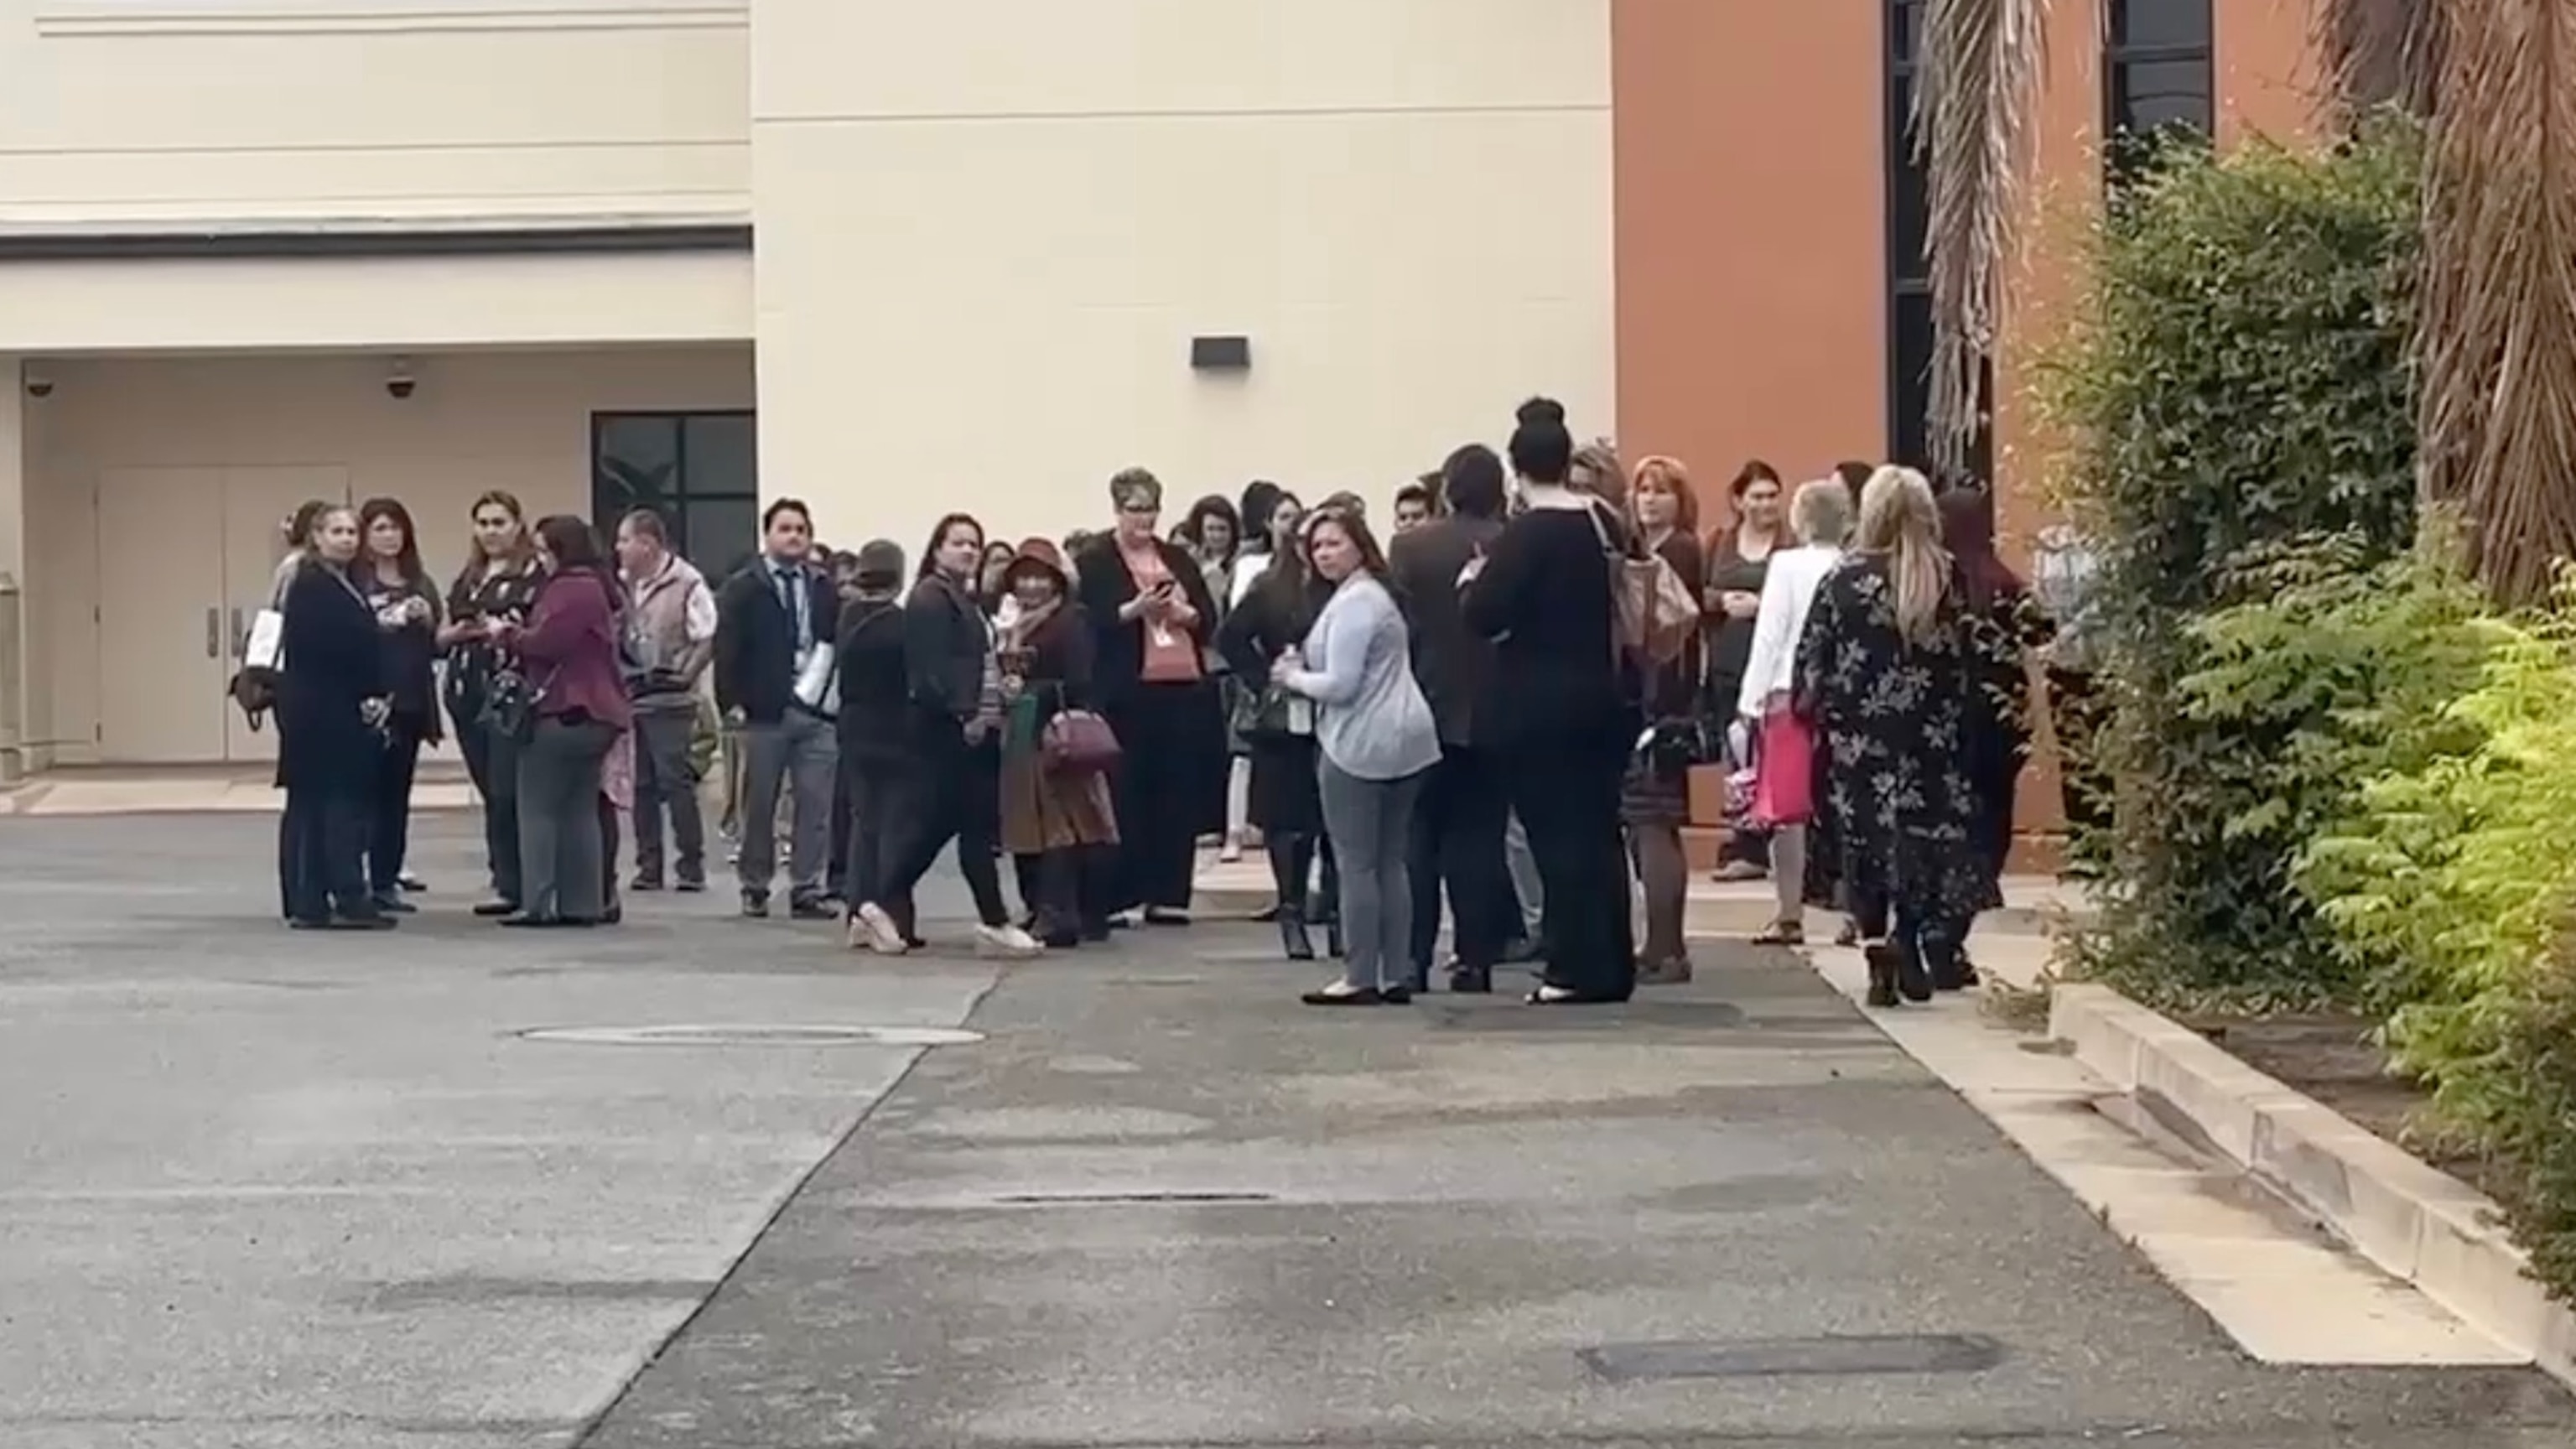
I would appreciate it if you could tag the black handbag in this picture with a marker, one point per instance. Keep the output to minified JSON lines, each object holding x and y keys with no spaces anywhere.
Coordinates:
{"x":510,"y":705}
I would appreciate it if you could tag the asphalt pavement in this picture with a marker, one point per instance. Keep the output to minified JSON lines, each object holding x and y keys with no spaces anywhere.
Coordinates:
{"x":269,"y":1190}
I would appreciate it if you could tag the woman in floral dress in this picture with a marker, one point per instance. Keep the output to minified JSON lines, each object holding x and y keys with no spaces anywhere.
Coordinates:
{"x":1887,"y":672}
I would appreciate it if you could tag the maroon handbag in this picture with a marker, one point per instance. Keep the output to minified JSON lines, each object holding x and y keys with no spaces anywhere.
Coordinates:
{"x":1078,"y":742}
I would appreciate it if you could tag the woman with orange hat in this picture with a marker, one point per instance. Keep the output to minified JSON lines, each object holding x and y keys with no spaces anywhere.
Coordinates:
{"x":1057,"y":820}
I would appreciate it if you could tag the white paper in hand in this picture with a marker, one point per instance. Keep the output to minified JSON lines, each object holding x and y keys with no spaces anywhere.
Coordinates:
{"x":815,"y":677}
{"x":267,"y":640}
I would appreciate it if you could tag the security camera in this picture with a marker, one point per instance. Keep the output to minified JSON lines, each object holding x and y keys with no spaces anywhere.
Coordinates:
{"x":399,"y":383}
{"x":38,"y":384}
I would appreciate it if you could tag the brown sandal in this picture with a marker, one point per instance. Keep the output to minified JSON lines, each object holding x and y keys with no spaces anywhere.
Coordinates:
{"x":1782,"y":933}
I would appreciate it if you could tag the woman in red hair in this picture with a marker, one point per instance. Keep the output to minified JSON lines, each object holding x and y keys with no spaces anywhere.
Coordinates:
{"x":1655,"y":800}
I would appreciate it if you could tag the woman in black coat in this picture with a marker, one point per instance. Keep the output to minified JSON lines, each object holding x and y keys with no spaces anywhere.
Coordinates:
{"x":1153,"y":618}
{"x":331,"y":713}
{"x":1279,"y":732}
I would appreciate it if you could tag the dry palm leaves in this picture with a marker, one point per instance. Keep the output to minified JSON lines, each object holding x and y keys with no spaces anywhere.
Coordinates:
{"x":2497,"y":329}
{"x":2379,"y":52}
{"x":1976,"y":96}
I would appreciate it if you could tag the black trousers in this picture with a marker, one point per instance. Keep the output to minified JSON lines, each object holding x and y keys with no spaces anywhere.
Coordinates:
{"x":389,"y":808}
{"x":1457,"y":839}
{"x":1935,"y":935}
{"x":492,"y":759}
{"x":952,"y":791}
{"x":322,"y":845}
{"x":1170,"y":785}
{"x":876,"y":799}
{"x":1065,"y":892}
{"x":1566,"y":788}
{"x":2077,"y":712}
{"x":838,"y":882}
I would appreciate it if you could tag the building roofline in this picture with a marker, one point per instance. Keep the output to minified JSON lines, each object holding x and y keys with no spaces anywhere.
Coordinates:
{"x":256,"y":241}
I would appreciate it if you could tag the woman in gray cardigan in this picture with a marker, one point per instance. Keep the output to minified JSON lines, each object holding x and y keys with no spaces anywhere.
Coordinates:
{"x":1376,"y":738}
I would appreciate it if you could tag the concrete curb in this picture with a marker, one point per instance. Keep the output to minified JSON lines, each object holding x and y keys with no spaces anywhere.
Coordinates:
{"x":2416,"y":1223}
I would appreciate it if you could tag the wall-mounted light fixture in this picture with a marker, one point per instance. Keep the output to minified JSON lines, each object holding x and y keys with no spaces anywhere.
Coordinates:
{"x":1220,"y":354}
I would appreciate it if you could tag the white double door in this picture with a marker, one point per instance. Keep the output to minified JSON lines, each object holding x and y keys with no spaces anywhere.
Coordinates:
{"x":185,"y":556}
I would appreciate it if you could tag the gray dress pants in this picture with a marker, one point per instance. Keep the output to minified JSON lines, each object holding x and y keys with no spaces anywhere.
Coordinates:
{"x":561,"y":851}
{"x":1371,"y":823}
{"x":799,"y":754}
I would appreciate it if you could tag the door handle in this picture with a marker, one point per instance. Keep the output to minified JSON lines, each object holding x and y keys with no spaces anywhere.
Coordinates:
{"x":241,"y":641}
{"x":214,"y":634}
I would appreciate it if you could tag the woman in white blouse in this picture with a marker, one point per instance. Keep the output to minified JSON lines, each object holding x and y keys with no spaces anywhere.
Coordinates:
{"x":1784,"y":756}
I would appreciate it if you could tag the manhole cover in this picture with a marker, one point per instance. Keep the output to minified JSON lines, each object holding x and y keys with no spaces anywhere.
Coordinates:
{"x":1040,"y":1199}
{"x":722,"y":1036}
{"x":1930,"y":1353}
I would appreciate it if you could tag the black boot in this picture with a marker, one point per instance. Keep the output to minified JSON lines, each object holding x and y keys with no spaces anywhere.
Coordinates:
{"x":1290,"y":855}
{"x":1328,"y":899}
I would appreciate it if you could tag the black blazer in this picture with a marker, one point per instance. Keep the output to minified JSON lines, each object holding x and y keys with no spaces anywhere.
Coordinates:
{"x":755,"y":663}
{"x":1103,"y":587}
{"x":1453,"y":663}
{"x":945,"y":643}
{"x":1266,"y":623}
{"x":334,"y":663}
{"x":876,"y":683}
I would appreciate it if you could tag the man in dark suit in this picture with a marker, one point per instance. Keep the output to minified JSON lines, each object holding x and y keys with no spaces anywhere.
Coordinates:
{"x":774,"y":634}
{"x":1458,"y":822}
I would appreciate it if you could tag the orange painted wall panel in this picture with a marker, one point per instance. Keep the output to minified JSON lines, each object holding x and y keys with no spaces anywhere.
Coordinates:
{"x":1750,"y":206}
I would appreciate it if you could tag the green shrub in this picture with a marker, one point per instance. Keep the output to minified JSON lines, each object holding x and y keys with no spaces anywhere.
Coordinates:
{"x":2451,"y":889}
{"x":2240,"y":381}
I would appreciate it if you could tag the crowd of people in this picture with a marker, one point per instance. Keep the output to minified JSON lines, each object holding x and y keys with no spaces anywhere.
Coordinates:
{"x":1497,"y":712}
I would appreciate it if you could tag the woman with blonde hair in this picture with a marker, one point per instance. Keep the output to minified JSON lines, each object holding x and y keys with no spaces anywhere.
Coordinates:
{"x":1886,"y":668}
{"x":1784,"y":752}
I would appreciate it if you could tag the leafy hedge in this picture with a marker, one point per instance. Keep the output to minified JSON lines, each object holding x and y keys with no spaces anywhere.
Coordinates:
{"x":2240,"y":382}
{"x":2452,"y":892}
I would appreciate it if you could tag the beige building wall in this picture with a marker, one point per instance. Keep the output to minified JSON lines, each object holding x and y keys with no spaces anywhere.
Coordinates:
{"x":389,"y":303}
{"x":154,"y":488}
{"x":989,"y":229}
{"x":136,"y":112}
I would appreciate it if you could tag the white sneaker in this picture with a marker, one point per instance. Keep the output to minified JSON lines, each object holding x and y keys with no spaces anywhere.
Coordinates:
{"x":871,"y":924}
{"x":1010,"y":943}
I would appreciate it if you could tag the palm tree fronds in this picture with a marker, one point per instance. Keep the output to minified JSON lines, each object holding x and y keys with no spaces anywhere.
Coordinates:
{"x":2496,"y":335}
{"x":1976,"y":98}
{"x":2381,"y":52}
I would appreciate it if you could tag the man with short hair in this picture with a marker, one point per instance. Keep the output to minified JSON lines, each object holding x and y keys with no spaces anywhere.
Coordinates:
{"x":1413,"y":505}
{"x":671,"y":639}
{"x":774,"y":628}
{"x":1458,"y":819}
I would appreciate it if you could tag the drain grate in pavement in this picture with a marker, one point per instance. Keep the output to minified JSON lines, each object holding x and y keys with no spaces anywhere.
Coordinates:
{"x":1054,"y":1199}
{"x":753,"y":1035}
{"x":445,"y":1292}
{"x":1931,"y":1353}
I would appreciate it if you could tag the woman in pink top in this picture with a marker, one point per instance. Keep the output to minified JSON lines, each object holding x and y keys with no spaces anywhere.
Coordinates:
{"x":568,"y":653}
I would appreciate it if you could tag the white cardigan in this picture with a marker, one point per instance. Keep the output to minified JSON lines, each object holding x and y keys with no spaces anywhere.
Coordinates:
{"x":1788,"y":592}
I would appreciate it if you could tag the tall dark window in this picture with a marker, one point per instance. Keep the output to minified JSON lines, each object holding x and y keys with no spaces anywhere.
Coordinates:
{"x":700,"y":471}
{"x":2157,"y":81}
{"x":1909,"y":284}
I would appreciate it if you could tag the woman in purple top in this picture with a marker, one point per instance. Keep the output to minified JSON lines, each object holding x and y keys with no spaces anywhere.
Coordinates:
{"x":568,"y":653}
